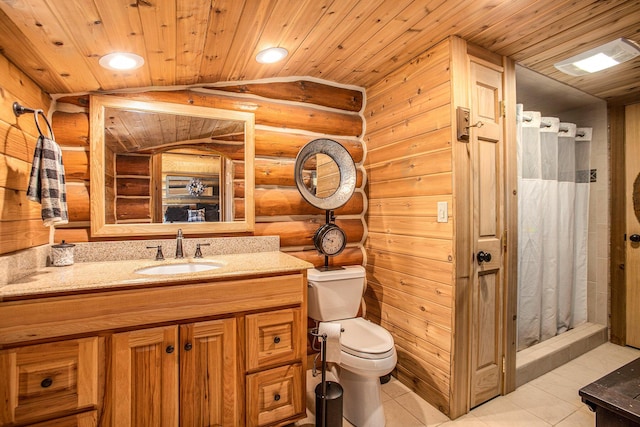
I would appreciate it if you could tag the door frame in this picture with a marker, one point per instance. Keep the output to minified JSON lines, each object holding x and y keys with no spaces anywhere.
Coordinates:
{"x":618,"y":223}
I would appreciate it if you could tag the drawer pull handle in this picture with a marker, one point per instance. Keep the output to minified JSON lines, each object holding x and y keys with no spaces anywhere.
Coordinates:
{"x":276,"y":397}
{"x":276,"y":340}
{"x":169,"y":349}
{"x":188,"y":346}
{"x":47,"y":382}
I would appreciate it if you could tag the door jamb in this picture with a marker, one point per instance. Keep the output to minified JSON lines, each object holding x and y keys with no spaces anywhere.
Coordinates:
{"x":510,"y":240}
{"x":618,"y":221}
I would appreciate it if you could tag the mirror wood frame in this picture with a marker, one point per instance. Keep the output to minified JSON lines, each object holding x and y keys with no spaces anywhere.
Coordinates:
{"x":99,"y":225}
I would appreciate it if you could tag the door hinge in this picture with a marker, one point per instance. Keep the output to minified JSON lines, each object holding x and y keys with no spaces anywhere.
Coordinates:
{"x":504,"y":241}
{"x":503,"y":109}
{"x":504,"y":365}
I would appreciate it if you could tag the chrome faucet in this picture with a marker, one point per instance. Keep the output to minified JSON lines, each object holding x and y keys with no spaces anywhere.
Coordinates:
{"x":179,"y":244}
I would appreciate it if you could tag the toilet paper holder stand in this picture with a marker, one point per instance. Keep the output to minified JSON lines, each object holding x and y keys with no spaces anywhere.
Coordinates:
{"x":317,"y":337}
{"x":327,"y":415}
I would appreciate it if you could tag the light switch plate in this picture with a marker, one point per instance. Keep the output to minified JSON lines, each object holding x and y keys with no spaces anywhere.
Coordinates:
{"x":443,"y":212}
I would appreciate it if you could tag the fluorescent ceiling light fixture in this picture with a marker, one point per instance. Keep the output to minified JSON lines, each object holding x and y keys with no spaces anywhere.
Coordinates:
{"x":271,"y":55}
{"x":121,"y":61}
{"x":600,"y":58}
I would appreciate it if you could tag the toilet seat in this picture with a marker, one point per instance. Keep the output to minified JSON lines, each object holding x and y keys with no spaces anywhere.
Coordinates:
{"x":364,"y":339}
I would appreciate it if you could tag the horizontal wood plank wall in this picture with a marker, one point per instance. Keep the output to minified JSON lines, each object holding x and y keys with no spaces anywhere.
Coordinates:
{"x":409,"y":254}
{"x":287,"y":116}
{"x":20,"y":220}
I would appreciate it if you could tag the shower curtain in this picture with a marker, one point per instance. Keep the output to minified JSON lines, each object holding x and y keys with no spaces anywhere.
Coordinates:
{"x":553,"y":221}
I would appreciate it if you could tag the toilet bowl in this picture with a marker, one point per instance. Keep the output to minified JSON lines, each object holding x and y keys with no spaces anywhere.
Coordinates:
{"x":367,"y":353}
{"x":367,"y":350}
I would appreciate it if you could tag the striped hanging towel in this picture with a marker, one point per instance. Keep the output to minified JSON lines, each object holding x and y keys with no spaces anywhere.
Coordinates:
{"x":47,"y":182}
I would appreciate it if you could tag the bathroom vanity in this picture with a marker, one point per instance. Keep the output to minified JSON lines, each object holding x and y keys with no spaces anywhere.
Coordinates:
{"x":96,"y":343}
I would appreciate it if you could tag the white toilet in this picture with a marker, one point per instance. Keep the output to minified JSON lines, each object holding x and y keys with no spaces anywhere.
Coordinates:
{"x":367,"y":350}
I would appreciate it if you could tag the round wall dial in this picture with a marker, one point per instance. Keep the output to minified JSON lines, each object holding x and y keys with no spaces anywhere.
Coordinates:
{"x":330,"y":240}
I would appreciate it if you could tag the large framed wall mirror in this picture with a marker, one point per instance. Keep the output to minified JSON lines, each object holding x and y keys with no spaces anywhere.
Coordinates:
{"x":157,"y":167}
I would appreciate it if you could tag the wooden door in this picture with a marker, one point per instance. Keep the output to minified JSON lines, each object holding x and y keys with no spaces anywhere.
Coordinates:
{"x":632,"y":196}
{"x":209,"y":374}
{"x":486,"y":294}
{"x":144,"y":377}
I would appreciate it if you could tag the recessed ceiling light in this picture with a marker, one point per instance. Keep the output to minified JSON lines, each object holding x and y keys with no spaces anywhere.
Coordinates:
{"x":120,"y":61}
{"x":599,"y":58}
{"x":271,"y":55}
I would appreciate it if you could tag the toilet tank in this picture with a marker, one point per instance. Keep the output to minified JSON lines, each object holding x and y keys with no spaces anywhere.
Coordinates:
{"x":335,"y":294}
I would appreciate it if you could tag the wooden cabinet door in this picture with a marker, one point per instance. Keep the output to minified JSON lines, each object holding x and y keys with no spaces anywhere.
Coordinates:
{"x":209,"y":374}
{"x":144,"y":379}
{"x":487,"y":293}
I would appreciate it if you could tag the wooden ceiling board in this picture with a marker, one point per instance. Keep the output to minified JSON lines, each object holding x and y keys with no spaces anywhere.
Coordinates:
{"x":301,"y":59}
{"x":354,"y":42}
{"x":339,"y":45}
{"x":535,"y":23}
{"x":159,"y":28}
{"x":298,"y":18}
{"x":246,"y":37}
{"x":554,"y":48}
{"x":38,"y":24}
{"x":223,"y":20}
{"x":387,"y":46}
{"x":191,"y":37}
{"x":123,"y":28}
{"x":30,"y":60}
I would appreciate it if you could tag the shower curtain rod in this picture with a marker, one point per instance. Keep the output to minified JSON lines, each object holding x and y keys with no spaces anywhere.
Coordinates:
{"x":548,"y":125}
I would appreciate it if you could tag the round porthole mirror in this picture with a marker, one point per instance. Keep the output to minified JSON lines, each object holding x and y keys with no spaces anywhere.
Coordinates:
{"x":325,"y":174}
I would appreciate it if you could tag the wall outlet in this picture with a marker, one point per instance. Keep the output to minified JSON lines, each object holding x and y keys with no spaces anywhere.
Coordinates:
{"x":443,"y":212}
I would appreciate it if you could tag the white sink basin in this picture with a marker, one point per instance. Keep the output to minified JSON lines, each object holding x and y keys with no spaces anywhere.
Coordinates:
{"x":182,"y":268}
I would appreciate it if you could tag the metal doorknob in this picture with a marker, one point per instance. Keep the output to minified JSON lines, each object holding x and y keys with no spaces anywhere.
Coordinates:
{"x":635,"y":238}
{"x":483,"y":257}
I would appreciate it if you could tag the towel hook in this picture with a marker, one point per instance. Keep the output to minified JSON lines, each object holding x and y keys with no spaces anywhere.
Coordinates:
{"x":19,"y":110}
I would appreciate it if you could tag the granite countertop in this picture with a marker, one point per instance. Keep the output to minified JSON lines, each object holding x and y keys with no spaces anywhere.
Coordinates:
{"x":90,"y":276}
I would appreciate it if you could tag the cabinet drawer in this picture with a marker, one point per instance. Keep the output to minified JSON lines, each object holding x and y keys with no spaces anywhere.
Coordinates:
{"x":48,"y":380}
{"x":275,"y":395}
{"x":274,"y":337}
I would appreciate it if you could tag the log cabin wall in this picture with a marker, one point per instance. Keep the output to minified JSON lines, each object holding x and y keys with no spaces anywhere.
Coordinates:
{"x":20,"y":220}
{"x":288,"y":114}
{"x":410,"y":265}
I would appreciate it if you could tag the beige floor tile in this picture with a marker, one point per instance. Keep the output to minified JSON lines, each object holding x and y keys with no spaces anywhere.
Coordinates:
{"x":607,"y":358}
{"x":501,"y":412}
{"x":541,"y":404}
{"x":423,"y":411}
{"x":396,"y":416}
{"x":560,"y":387}
{"x":384,"y":396}
{"x":579,"y":373}
{"x":468,"y":420}
{"x":580,"y":418}
{"x":395,"y":388}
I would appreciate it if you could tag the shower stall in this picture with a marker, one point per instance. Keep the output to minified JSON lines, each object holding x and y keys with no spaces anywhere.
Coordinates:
{"x":553,"y":226}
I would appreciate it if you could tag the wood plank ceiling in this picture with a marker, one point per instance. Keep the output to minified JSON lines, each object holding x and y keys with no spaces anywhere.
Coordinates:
{"x":358,"y":42}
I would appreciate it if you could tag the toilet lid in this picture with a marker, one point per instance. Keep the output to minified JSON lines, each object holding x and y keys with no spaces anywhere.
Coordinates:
{"x":365,"y":339}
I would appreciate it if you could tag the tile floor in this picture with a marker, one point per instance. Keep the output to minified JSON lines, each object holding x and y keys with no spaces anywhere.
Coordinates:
{"x":549,"y":400}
